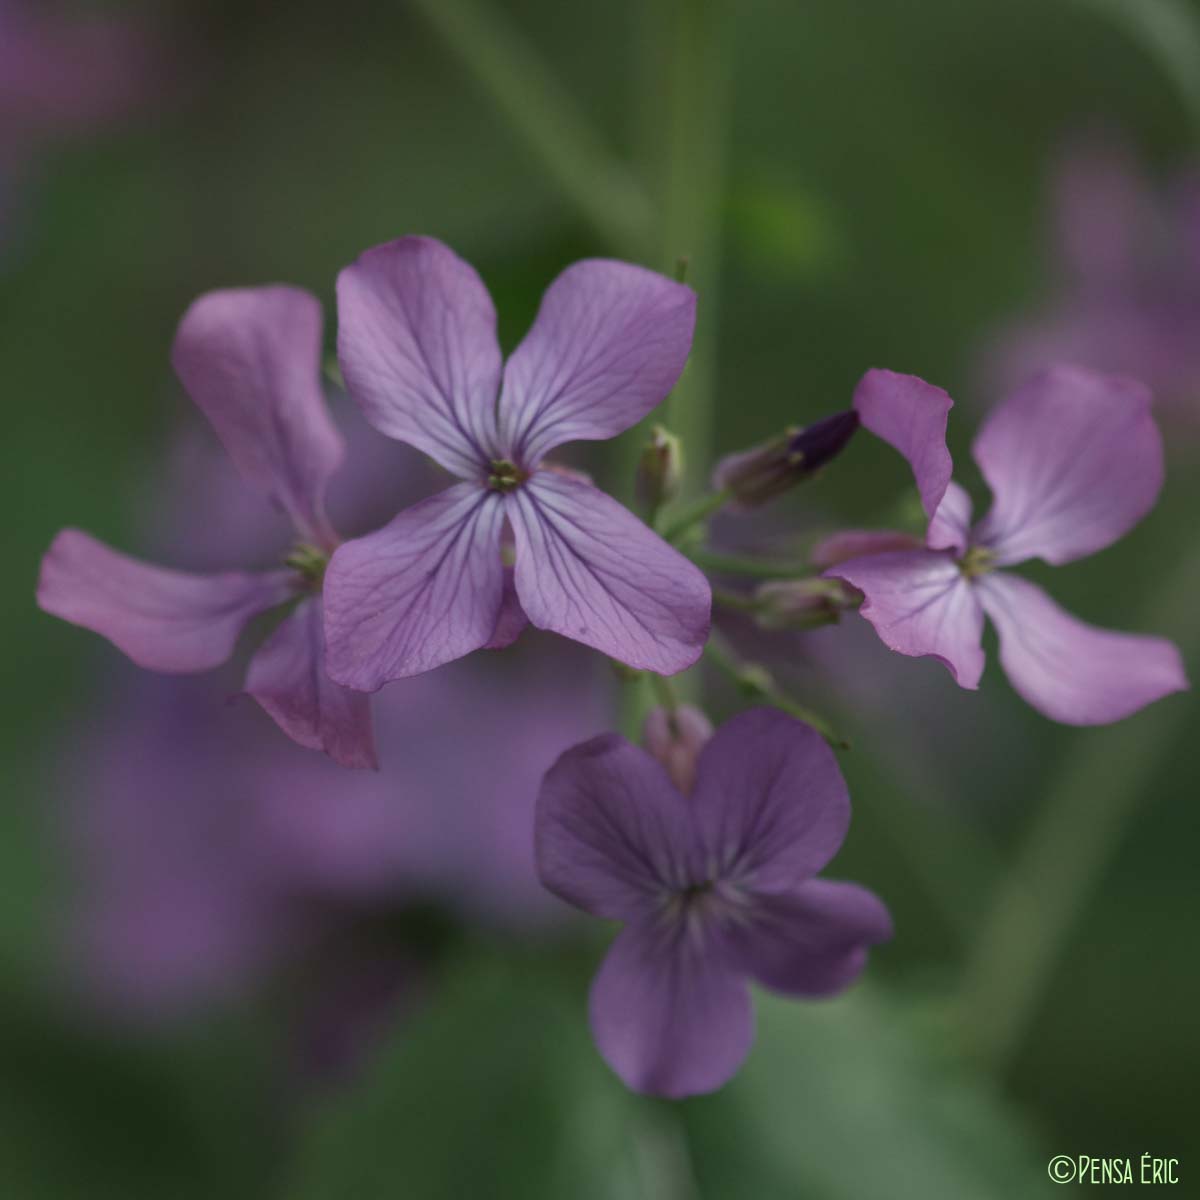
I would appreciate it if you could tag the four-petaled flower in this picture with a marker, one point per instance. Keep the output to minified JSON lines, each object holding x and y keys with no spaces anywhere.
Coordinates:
{"x":251,"y":360}
{"x":418,"y":350}
{"x":1074,"y":461}
{"x":715,"y":889}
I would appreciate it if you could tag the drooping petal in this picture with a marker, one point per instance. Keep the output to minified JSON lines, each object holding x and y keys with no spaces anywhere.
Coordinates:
{"x":855,"y":543}
{"x":250,"y":358}
{"x":422,"y":591}
{"x":669,"y":1014}
{"x":814,"y":941}
{"x":609,"y":342}
{"x":1074,"y":460}
{"x":165,"y":620}
{"x":418,"y":350}
{"x":921,"y":604}
{"x":1069,"y":670}
{"x":910,"y":415}
{"x":612,"y":834}
{"x":512,"y":619}
{"x":287,"y":677}
{"x":588,"y":569}
{"x":770,"y":801}
{"x":950,"y":528}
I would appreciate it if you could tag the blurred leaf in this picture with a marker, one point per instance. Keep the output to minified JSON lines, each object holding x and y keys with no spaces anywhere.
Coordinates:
{"x":496,"y":1091}
{"x":854,"y":1100}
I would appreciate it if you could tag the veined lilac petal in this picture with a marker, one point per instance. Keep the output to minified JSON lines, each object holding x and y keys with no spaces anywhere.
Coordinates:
{"x":418,"y":350}
{"x":609,"y":342}
{"x":588,"y":569}
{"x":250,"y":358}
{"x":612,"y":833}
{"x":422,"y":591}
{"x":855,"y":543}
{"x":1074,"y":460}
{"x":165,"y":620}
{"x":770,"y":802}
{"x":1071,"y":671}
{"x":512,"y":619}
{"x":287,"y":677}
{"x":910,"y":415}
{"x":814,"y":941}
{"x":921,"y":604}
{"x":950,"y":528}
{"x":669,"y":1016}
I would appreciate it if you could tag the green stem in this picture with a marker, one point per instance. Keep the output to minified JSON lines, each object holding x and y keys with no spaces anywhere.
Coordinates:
{"x":1091,"y":798}
{"x":737,"y":601}
{"x":664,"y":692}
{"x":600,"y":186}
{"x":756,"y":681}
{"x":696,"y":512}
{"x":730,"y":564}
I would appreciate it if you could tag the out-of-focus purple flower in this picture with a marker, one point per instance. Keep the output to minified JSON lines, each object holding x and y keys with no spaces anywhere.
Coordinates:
{"x":1074,"y":461}
{"x":715,"y":890}
{"x":212,"y":856}
{"x":250,"y":359}
{"x":761,"y":474}
{"x":1125,"y":290}
{"x":418,"y":349}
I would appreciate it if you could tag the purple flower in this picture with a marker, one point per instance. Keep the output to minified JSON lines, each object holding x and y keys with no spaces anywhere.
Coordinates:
{"x":417,"y":343}
{"x":1125,"y":284}
{"x":1074,"y":461}
{"x":715,"y":890}
{"x":250,"y":360}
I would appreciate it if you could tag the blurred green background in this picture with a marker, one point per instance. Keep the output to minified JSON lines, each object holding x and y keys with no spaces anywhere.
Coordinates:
{"x":856,"y":184}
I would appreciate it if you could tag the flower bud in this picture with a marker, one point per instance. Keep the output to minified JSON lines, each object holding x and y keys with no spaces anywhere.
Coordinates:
{"x":676,"y":738}
{"x":758,"y":475}
{"x":801,"y":603}
{"x":659,"y":470}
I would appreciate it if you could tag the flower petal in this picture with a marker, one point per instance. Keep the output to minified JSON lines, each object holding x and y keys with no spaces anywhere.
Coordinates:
{"x":250,"y":358}
{"x":814,"y":941}
{"x":910,"y":415}
{"x":921,"y":604}
{"x":165,"y":620}
{"x":287,"y":677}
{"x":1071,"y":671}
{"x":669,"y":1013}
{"x":855,"y":543}
{"x":588,"y":569}
{"x":612,"y":833}
{"x":418,"y":350}
{"x":770,"y":801}
{"x":511,"y":622}
{"x":609,"y":342}
{"x":422,"y":591}
{"x":1074,"y":461}
{"x":950,"y":528}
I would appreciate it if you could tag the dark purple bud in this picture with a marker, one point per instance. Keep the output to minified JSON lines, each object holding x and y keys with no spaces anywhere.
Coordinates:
{"x":757,"y":476}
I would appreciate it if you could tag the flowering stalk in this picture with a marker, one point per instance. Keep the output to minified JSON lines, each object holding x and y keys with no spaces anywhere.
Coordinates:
{"x":1090,"y":801}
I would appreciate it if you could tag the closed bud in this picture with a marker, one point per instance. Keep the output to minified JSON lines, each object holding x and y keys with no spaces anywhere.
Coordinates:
{"x":659,"y":470}
{"x":756,"y":476}
{"x":801,"y":603}
{"x":676,"y":737}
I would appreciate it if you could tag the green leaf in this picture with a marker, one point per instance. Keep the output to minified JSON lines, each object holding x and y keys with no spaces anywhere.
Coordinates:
{"x":855,"y":1098}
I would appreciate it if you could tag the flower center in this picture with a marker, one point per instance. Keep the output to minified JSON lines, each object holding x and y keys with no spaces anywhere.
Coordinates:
{"x":309,"y":562}
{"x":505,"y":476}
{"x":977,"y":561}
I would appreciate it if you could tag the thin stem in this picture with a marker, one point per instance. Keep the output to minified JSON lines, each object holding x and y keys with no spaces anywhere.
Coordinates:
{"x":1091,"y":798}
{"x":737,"y":601}
{"x":1167,"y":30}
{"x":756,"y":681}
{"x":696,"y":512}
{"x":731,"y":564}
{"x":600,"y":186}
{"x":664,"y":692}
